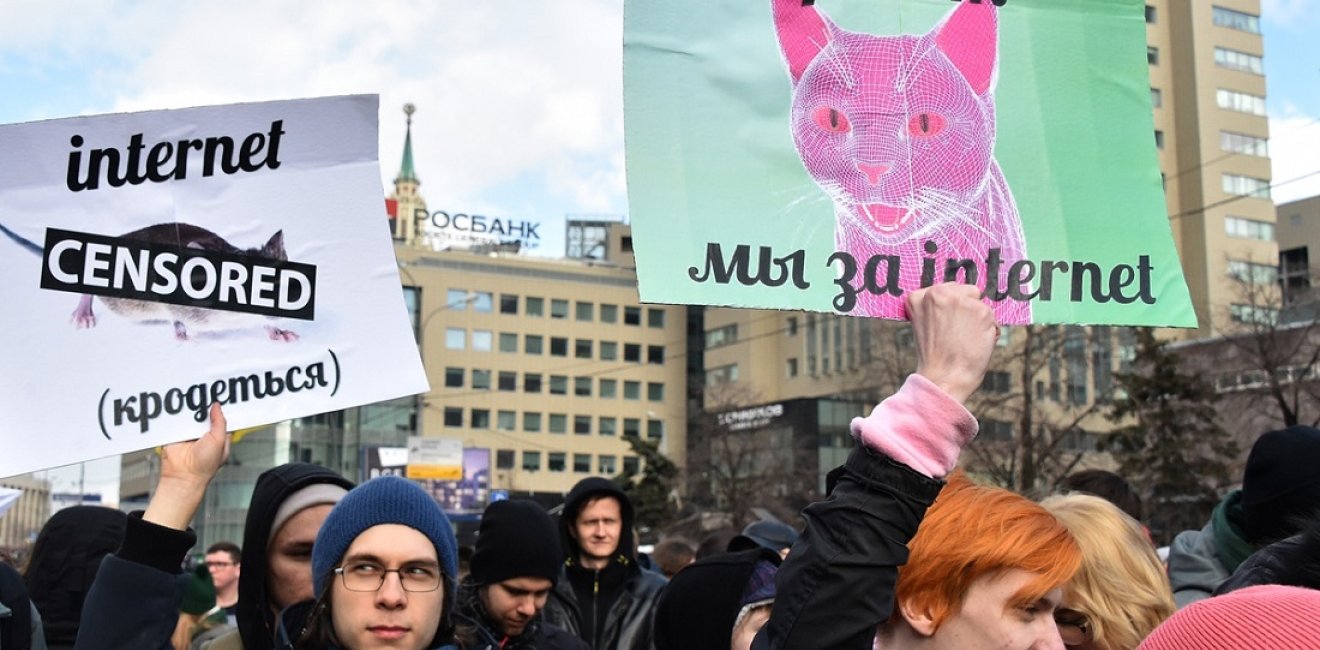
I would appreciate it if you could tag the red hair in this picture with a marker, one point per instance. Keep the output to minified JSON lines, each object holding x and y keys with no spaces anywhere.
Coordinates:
{"x":972,"y":531}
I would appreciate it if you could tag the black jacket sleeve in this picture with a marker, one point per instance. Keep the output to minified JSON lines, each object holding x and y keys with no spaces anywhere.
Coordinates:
{"x":134,"y":602}
{"x":837,"y":584}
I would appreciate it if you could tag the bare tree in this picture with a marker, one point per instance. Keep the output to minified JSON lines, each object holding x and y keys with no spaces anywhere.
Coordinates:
{"x":1038,"y":404}
{"x":1272,"y":348}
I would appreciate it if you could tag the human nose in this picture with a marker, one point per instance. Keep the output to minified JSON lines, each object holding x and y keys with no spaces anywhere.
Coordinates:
{"x":391,"y":593}
{"x":1050,"y":639}
{"x":527,"y":606}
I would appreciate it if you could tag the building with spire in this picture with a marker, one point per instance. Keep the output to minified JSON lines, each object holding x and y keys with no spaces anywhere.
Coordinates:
{"x":406,"y":207}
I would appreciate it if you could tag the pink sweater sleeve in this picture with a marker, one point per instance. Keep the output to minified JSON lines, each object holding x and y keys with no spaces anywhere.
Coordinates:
{"x":920,"y":426}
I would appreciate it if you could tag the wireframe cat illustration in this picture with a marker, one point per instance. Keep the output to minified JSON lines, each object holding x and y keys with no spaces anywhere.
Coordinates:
{"x":183,"y":317}
{"x":899,"y":132}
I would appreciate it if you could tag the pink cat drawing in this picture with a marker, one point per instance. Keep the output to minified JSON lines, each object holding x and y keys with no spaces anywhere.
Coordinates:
{"x":899,"y":132}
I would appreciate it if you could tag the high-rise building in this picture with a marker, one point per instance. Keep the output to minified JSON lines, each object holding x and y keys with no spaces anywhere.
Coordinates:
{"x":1208,"y":89}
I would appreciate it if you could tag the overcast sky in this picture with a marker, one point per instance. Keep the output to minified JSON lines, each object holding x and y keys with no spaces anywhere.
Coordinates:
{"x":519,"y":109}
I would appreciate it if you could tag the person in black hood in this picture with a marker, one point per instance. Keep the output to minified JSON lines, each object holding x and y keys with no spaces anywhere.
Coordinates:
{"x":288,"y":505}
{"x":64,"y":562}
{"x":603,"y":596}
{"x":515,"y":564}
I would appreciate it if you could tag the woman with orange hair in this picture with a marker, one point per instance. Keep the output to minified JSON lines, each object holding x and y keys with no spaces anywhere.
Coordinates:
{"x":986,"y":567}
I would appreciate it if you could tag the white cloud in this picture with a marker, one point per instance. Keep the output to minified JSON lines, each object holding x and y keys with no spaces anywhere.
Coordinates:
{"x":505,"y":89}
{"x":1295,"y":154}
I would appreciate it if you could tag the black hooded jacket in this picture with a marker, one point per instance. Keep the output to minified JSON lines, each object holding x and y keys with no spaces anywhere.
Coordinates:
{"x":610,"y":608}
{"x":65,"y":559}
{"x":256,"y":622}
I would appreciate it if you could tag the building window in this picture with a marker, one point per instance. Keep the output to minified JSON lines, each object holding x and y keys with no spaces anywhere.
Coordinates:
{"x":609,"y":313}
{"x":605,"y":464}
{"x":655,"y":429}
{"x":582,"y":348}
{"x":555,"y":461}
{"x":792,"y":325}
{"x":1152,"y":55}
{"x":609,"y":350}
{"x":1250,"y":314}
{"x":582,"y":425}
{"x":533,"y":344}
{"x":532,"y":422}
{"x":722,"y":375}
{"x":558,"y":308}
{"x":632,"y":427}
{"x":631,"y":465}
{"x":507,"y":381}
{"x":655,"y":317}
{"x":1249,"y":228}
{"x":453,"y":377}
{"x":482,"y":340}
{"x":1159,"y":139}
{"x":531,"y":461}
{"x":632,"y":390}
{"x":586,"y":311}
{"x":1243,"y":22}
{"x":1150,"y":15}
{"x":1241,"y":61}
{"x":1232,"y":100}
{"x":506,"y":420}
{"x":480,"y":379}
{"x":508,"y":303}
{"x":558,"y":385}
{"x":504,"y":459}
{"x":532,"y":382}
{"x":455,"y":338}
{"x":608,"y":426}
{"x":582,"y":386}
{"x":655,"y":354}
{"x":535,"y":307}
{"x":722,"y":335}
{"x":632,"y":316}
{"x":453,"y":416}
{"x":655,"y":391}
{"x":632,"y":352}
{"x":609,"y":388}
{"x":483,"y":302}
{"x":558,"y":346}
{"x":792,"y":367}
{"x":1243,"y":143}
{"x":558,"y":423}
{"x":456,"y":300}
{"x":1246,"y":186}
{"x":480,"y":418}
{"x":1156,"y":98}
{"x":508,"y":342}
{"x":1252,"y":272}
{"x":582,"y":463}
{"x":997,"y":381}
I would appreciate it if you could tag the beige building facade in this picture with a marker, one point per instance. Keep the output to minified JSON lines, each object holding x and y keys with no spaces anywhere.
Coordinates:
{"x":1208,"y":90}
{"x":21,"y":523}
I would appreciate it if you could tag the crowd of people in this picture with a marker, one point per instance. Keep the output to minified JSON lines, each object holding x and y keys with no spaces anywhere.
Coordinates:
{"x":905,"y":552}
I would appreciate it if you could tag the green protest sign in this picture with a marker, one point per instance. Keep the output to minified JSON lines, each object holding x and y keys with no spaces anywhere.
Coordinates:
{"x":835,"y":155}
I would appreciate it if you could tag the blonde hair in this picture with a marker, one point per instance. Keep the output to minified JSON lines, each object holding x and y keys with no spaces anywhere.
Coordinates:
{"x":1122,"y":586}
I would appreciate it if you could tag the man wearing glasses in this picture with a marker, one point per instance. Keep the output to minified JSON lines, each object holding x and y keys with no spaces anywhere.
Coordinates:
{"x":222,"y":559}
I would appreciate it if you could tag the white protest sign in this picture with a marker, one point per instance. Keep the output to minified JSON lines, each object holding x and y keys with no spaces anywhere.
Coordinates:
{"x":151,"y":263}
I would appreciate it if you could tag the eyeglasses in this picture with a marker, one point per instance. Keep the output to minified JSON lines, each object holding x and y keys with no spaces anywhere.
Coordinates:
{"x":1074,"y":626}
{"x":367,"y":576}
{"x":218,"y":564}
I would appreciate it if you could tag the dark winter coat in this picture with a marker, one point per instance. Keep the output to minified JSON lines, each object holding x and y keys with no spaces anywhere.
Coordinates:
{"x":65,"y":558}
{"x":1293,"y":562}
{"x":613,"y":608}
{"x":848,"y":556}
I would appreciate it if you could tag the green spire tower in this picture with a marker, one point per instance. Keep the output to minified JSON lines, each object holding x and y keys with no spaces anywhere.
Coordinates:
{"x":411,"y":208}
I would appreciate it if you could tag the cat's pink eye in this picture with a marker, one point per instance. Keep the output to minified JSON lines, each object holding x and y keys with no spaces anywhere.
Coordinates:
{"x":832,"y":120}
{"x":925,"y":124}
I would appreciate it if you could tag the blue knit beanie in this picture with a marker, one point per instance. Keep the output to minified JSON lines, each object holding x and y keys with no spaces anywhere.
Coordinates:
{"x":383,"y":500}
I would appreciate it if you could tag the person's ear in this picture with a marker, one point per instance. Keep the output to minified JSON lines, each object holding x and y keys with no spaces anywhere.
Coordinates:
{"x":917,"y":618}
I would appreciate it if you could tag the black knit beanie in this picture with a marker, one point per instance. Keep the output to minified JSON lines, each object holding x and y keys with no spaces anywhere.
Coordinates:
{"x":516,"y":539}
{"x":1281,"y":485}
{"x":699,"y":606}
